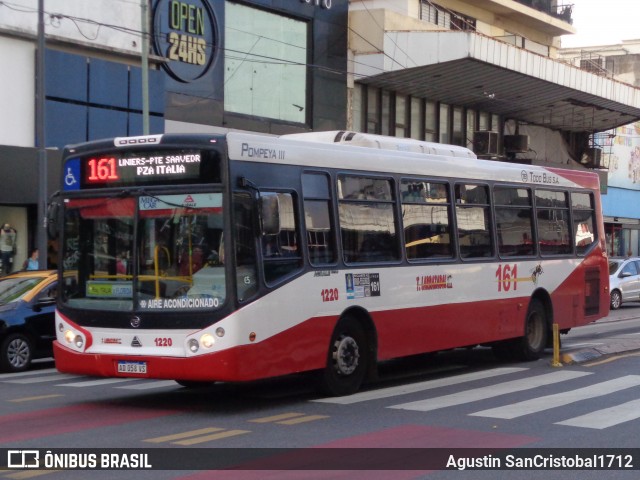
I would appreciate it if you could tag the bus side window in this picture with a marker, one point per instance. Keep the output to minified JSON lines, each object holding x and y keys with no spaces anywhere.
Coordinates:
{"x":318,"y":221}
{"x":426,"y":219}
{"x":552,"y":213}
{"x":280,"y":252}
{"x":514,"y":221}
{"x":583,"y":221}
{"x":474,"y":221}
{"x":367,"y":219}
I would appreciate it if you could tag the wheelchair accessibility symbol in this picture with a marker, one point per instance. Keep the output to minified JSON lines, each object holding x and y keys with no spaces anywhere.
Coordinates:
{"x":71,"y":180}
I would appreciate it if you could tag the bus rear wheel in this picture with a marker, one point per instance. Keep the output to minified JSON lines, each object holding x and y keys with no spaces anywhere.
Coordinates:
{"x":531,"y":345}
{"x":347,"y":359}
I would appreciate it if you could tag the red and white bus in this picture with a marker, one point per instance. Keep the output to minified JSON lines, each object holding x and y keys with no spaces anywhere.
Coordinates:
{"x":238,"y":257}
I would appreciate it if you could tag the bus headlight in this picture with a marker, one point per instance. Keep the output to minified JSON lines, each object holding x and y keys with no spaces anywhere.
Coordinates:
{"x":193,"y":345}
{"x":74,"y":339}
{"x":207,"y":340}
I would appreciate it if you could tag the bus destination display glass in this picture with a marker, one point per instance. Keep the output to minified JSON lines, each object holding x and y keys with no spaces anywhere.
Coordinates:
{"x":117,"y":169}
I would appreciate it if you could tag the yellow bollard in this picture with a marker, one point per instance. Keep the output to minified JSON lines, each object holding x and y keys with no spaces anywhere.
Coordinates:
{"x":556,"y":347}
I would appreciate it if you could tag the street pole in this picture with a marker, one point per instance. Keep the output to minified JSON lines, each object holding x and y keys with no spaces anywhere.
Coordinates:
{"x":41,"y":229}
{"x":145,"y":66}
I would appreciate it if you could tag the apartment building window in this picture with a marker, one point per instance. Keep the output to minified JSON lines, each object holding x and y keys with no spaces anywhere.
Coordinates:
{"x":444,"y":123}
{"x":471,"y":127}
{"x":401,"y":116}
{"x":458,"y":129}
{"x":432,"y":13}
{"x":373,"y":109}
{"x":594,"y":64}
{"x":430,"y":121}
{"x":495,"y":122}
{"x":385,"y":112}
{"x":483,"y":121}
{"x":385,"y":124}
{"x":462,"y":23}
{"x":416,"y":118}
{"x":357,"y":108}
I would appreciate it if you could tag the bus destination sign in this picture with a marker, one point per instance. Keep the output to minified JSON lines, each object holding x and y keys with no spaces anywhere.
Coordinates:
{"x":115,"y":169}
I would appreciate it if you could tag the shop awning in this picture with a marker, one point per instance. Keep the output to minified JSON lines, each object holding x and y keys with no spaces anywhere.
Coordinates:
{"x":475,"y":71}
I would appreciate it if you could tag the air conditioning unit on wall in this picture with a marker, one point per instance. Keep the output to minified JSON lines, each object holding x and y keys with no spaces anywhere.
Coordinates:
{"x":485,"y":142}
{"x":516,"y":143}
{"x":591,"y":157}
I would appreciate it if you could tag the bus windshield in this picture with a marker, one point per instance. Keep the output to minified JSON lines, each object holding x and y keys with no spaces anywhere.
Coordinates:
{"x":145,"y":252}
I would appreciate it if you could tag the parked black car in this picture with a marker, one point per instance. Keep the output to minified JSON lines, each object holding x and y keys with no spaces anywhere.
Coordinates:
{"x":27,"y":318}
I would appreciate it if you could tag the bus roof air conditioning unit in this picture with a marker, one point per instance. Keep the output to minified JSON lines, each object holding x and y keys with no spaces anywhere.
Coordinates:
{"x":516,"y":143}
{"x":485,"y":142}
{"x":591,"y":157}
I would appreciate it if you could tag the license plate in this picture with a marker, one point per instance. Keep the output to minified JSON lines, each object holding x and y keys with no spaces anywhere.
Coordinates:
{"x":132,"y":367}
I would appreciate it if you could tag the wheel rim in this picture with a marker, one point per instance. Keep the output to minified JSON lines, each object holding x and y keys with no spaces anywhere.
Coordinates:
{"x":615,"y":299}
{"x":346,"y":356}
{"x":18,"y":353}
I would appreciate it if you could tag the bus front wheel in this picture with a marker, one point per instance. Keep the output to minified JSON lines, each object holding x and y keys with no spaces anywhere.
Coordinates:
{"x":346,"y":360}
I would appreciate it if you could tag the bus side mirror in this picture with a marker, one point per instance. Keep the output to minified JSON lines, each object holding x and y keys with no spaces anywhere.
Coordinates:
{"x":269,"y":213}
{"x":53,"y":219}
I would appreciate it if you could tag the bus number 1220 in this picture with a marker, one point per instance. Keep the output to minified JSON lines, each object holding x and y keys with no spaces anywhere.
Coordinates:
{"x":329,"y":294}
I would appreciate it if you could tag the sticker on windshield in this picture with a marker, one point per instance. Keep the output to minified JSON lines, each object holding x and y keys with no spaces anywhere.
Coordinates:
{"x":179,"y":303}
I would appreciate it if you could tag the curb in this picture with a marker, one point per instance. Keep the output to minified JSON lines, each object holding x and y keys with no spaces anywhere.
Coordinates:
{"x":588,"y":354}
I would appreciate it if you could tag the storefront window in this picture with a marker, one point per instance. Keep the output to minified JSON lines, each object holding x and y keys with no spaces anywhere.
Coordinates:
{"x":265,"y":71}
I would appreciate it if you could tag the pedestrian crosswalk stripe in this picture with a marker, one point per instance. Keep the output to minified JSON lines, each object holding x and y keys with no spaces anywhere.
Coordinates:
{"x":28,"y":373}
{"x":48,"y":378}
{"x":419,"y":387}
{"x":547,"y":402}
{"x":607,"y":417}
{"x":96,"y":383}
{"x":150,"y":384}
{"x":468,"y":396}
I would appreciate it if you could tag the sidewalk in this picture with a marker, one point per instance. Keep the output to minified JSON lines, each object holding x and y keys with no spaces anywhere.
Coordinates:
{"x":614,"y":347}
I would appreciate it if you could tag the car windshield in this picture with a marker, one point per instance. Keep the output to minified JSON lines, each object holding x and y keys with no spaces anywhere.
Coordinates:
{"x":13,"y":289}
{"x":613,"y":266}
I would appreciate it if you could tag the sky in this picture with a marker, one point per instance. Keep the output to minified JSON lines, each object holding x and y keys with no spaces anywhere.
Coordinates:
{"x":603,"y":22}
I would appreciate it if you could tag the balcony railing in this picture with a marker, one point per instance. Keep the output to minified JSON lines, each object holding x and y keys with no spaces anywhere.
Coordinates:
{"x":562,"y":12}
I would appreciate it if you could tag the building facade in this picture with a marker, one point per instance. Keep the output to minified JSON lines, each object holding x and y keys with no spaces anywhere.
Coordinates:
{"x":618,"y":149}
{"x":485,"y":74}
{"x":272,"y":66}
